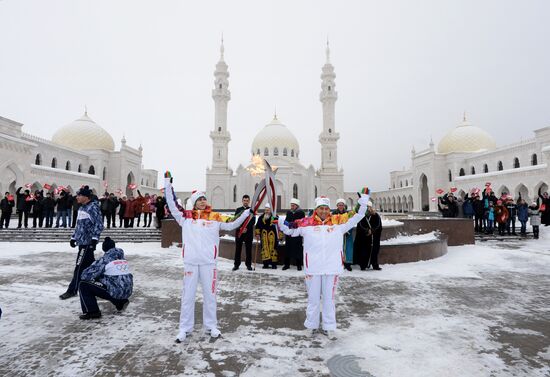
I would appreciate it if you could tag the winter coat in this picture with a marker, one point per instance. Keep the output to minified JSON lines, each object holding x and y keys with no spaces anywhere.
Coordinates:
{"x":62,"y":203}
{"x":249,"y":227}
{"x":160,"y":202}
{"x":545,"y":215}
{"x":23,"y":204}
{"x":479,"y":207}
{"x":501,"y":214}
{"x":37,"y":204}
{"x":129,"y":209}
{"x":200,"y":230}
{"x":294,"y":245}
{"x":468,"y":208}
{"x":49,"y":204}
{"x":534,"y":216}
{"x":113,"y":271}
{"x":104,"y":204}
{"x":323,"y":241}
{"x":89,"y":224}
{"x":6,"y":205}
{"x":491,"y":214}
{"x":139,"y":204}
{"x":512,"y":210}
{"x":122,"y":209}
{"x":523,"y":212}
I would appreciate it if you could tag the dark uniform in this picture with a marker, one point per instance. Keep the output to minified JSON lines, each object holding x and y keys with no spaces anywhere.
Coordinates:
{"x":367,"y":241}
{"x":23,"y":207}
{"x":6,"y":206}
{"x":268,"y":233}
{"x":246,"y":238}
{"x":294,"y":245}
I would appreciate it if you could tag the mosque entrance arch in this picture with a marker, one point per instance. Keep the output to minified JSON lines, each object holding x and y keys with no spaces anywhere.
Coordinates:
{"x":424,"y":193}
{"x":130,"y":179}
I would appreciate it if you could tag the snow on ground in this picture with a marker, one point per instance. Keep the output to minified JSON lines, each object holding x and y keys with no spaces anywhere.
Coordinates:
{"x":417,"y":238}
{"x":480,"y":310}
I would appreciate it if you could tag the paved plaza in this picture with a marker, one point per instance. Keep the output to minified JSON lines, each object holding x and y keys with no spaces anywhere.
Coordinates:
{"x":480,"y":310}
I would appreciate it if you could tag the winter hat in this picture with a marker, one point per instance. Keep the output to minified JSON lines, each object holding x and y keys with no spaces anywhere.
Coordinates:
{"x":369,"y":204}
{"x":108,"y":244}
{"x":534,"y":204}
{"x":338,"y":201}
{"x":85,"y":191}
{"x":196,"y":195}
{"x":322,"y":201}
{"x":267,"y":205}
{"x":295,"y":201}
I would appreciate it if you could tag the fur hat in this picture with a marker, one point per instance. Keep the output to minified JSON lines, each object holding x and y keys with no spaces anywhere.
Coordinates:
{"x":369,"y":204}
{"x":322,"y":201}
{"x":267,"y":205}
{"x":196,"y":195}
{"x":295,"y":201}
{"x":343,"y":201}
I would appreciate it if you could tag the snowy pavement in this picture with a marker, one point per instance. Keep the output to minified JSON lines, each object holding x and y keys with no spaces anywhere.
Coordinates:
{"x":480,"y":310}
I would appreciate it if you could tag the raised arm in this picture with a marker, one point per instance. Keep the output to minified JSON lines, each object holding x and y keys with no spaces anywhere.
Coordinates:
{"x":289,"y":232}
{"x":351,"y":223}
{"x":169,"y":195}
{"x":236,"y":223}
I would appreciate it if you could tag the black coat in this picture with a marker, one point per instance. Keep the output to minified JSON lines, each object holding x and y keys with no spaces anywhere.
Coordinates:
{"x":62,"y":203}
{"x":48,"y":204}
{"x":294,"y":245}
{"x":23,"y":205}
{"x":6,"y":205}
{"x":249,"y":228}
{"x":364,"y":242}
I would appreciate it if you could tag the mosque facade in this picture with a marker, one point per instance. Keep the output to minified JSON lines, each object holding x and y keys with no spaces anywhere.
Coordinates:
{"x":275,"y":143}
{"x":467,"y":157}
{"x":80,"y":153}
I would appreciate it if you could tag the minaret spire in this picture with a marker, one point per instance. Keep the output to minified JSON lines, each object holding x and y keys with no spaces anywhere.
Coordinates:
{"x":329,"y":137}
{"x":221,"y":96}
{"x":327,"y":52}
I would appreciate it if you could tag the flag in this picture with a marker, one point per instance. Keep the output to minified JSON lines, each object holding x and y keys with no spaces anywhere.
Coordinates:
{"x":453,"y":189}
{"x":105,"y":184}
{"x":119,"y":191}
{"x":439,"y":191}
{"x":488,"y":184}
{"x":434,"y":199}
{"x":28,"y":185}
{"x":132,"y":186}
{"x":47,"y":186}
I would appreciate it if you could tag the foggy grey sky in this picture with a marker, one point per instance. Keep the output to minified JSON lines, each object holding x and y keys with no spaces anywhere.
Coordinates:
{"x":405,"y":70}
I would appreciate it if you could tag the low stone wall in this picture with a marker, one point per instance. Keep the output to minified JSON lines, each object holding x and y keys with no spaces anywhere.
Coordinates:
{"x":458,"y":231}
{"x":413,"y":252}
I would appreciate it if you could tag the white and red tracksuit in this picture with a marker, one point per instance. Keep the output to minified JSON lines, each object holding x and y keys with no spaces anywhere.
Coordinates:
{"x":201,"y":239}
{"x":323,"y":262}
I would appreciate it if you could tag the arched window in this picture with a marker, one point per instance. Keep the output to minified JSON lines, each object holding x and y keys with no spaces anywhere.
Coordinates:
{"x":147,"y":183}
{"x":393,"y":185}
{"x":292,"y":153}
{"x":473,"y":170}
{"x":406,"y":182}
{"x":68,"y":165}
{"x":220,"y":86}
{"x":80,"y":168}
{"x":219,"y":129}
{"x":330,"y":130}
{"x":275,"y":151}
{"x":38,"y":159}
{"x":91,"y":170}
{"x":258,"y":151}
{"x":462,"y":173}
{"x":142,"y":181}
{"x":234,"y":193}
{"x":400,"y":183}
{"x":485,"y":168}
{"x":499,"y":166}
{"x":266,"y":152}
{"x":329,"y":88}
{"x":316,"y":191}
{"x":450,"y":175}
{"x":534,"y":159}
{"x":295,"y":191}
{"x":54,"y":162}
{"x":285,"y":152}
{"x":516,"y":163}
{"x":104,"y":175}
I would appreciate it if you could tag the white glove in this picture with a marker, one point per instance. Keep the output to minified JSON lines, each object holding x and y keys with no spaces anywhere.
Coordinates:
{"x":364,"y":200}
{"x":247,"y":212}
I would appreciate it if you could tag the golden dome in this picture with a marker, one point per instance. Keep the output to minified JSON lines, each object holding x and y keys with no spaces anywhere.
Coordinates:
{"x":275,"y":135}
{"x":83,"y":134}
{"x":466,"y":138}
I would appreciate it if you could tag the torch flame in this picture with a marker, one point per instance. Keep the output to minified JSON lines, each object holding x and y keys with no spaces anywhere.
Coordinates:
{"x":257,"y":167}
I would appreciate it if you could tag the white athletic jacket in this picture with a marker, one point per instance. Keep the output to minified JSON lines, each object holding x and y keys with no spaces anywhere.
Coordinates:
{"x":323,"y":254}
{"x":200,"y":238}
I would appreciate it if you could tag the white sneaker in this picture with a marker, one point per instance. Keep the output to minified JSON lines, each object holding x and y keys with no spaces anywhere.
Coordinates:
{"x":181,"y":337}
{"x":214,"y":333}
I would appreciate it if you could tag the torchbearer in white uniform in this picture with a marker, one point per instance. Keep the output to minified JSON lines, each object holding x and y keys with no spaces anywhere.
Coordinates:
{"x":323,"y":258}
{"x":200,"y":229}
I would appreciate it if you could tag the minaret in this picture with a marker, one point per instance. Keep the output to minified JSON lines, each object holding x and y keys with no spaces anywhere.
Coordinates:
{"x":329,"y":137}
{"x":220,"y":136}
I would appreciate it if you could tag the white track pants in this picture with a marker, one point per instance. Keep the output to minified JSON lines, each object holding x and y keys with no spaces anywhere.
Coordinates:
{"x":207,"y":275}
{"x":321,"y":287}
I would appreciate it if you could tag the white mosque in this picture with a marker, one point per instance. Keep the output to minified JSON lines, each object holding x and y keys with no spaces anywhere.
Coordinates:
{"x":276,"y":143}
{"x":80,"y":153}
{"x":467,"y":157}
